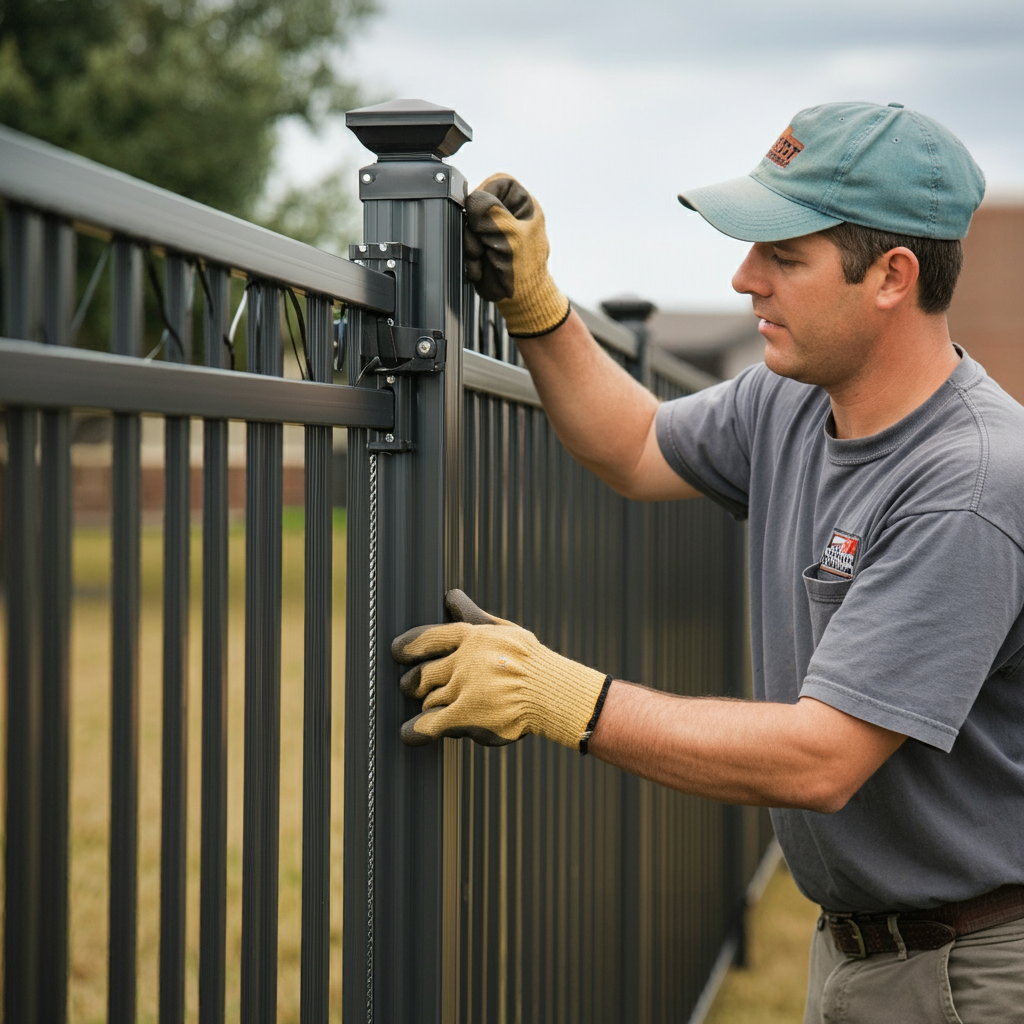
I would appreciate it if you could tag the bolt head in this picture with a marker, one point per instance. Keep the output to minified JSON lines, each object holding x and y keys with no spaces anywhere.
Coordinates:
{"x":367,"y":178}
{"x":383,"y":246}
{"x":390,"y":378}
{"x":363,"y":248}
{"x":439,"y":177}
{"x":425,"y":348}
{"x":391,"y":264}
{"x":389,"y":438}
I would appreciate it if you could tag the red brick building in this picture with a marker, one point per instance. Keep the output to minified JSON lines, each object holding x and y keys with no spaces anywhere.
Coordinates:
{"x":986,"y":316}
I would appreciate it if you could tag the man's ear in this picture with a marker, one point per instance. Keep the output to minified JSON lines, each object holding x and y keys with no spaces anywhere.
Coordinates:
{"x":897,"y":272}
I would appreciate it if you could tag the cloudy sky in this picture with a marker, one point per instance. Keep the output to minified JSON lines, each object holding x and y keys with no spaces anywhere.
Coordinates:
{"x":606,"y":110}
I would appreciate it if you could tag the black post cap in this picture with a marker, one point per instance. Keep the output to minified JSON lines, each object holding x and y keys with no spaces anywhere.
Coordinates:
{"x":409,"y":130}
{"x":628,"y":308}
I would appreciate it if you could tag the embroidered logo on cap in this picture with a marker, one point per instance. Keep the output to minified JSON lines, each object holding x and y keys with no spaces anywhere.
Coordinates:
{"x":840,"y":554}
{"x":785,"y":148}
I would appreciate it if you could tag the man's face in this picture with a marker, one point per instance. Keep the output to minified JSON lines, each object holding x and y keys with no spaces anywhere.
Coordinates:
{"x":817,"y":328}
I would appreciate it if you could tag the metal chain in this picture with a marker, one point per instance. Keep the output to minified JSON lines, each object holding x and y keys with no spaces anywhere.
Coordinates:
{"x":371,"y":766}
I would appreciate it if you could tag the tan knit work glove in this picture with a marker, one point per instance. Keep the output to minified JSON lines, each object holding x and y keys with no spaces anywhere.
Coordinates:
{"x":506,"y":250}
{"x":494,"y":681}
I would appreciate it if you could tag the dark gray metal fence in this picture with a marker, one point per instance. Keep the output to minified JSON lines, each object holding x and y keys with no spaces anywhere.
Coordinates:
{"x":524,"y":883}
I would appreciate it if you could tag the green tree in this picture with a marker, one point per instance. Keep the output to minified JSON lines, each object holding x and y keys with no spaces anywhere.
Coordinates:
{"x":186,"y":94}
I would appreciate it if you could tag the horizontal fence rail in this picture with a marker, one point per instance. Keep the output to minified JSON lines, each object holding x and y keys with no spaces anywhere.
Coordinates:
{"x":516,"y":884}
{"x":51,"y":180}
{"x":51,"y":377}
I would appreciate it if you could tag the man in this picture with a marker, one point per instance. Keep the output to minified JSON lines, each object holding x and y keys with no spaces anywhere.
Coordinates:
{"x":882,"y":474}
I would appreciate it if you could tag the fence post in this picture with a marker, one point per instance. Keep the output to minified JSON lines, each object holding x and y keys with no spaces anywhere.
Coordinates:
{"x":404,"y":538}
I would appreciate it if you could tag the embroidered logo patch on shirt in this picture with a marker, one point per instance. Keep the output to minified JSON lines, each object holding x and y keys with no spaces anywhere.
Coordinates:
{"x":840,"y":554}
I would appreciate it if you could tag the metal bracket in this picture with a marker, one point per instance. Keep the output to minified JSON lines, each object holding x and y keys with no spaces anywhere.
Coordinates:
{"x":389,"y":348}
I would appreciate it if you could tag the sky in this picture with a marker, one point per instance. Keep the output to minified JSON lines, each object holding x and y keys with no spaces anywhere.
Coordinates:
{"x":606,"y":111}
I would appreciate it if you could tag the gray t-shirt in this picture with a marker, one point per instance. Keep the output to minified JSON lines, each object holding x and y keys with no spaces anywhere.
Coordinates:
{"x":887,"y":580}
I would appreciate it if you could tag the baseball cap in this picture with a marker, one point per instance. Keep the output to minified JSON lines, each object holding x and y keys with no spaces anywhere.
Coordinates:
{"x":880,"y":167}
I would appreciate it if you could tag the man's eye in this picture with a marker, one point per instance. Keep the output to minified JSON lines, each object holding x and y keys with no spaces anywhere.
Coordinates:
{"x":777,"y":259}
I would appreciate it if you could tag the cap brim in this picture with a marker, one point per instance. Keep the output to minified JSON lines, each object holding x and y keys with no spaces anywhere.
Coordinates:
{"x":744,"y":208}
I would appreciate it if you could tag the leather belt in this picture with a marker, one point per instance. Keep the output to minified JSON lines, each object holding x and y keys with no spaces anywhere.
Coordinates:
{"x":859,"y":935}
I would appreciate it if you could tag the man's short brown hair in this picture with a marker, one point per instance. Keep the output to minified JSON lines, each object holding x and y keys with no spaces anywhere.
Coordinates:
{"x":941,"y":260}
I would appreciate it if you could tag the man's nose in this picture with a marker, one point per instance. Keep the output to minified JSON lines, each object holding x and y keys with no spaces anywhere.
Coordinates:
{"x":749,"y":278}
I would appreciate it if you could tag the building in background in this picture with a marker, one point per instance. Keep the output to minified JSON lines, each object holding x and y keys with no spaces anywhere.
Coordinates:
{"x":986,"y":314}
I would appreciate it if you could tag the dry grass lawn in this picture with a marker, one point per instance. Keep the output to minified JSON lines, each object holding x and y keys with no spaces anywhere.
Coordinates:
{"x":90,"y":778}
{"x":772,"y":989}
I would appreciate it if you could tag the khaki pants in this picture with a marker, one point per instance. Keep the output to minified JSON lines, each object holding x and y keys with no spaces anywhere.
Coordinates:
{"x":977,"y":979}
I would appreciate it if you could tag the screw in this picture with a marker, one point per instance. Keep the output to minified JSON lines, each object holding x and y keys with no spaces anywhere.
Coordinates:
{"x":389,"y":438}
{"x":367,"y":178}
{"x":391,"y":264}
{"x":363,"y":248}
{"x":439,"y":176}
{"x":383,"y":246}
{"x":390,"y":378}
{"x":425,"y":348}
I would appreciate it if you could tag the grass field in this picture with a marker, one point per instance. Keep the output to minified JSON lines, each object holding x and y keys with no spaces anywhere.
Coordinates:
{"x":771,"y":991}
{"x":90,"y":774}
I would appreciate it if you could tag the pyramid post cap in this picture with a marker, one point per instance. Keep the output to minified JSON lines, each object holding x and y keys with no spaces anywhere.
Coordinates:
{"x":409,"y":129}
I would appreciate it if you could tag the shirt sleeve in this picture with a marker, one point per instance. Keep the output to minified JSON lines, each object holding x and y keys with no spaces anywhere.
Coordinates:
{"x":921,"y":626}
{"x":705,"y":438}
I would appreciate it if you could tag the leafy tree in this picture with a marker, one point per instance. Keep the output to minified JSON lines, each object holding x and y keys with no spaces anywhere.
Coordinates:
{"x":186,"y":94}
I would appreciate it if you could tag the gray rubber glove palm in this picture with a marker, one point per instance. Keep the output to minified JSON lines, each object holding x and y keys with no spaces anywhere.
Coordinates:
{"x":493,"y":681}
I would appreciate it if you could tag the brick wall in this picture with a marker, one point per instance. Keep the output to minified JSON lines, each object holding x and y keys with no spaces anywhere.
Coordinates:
{"x":986,"y":315}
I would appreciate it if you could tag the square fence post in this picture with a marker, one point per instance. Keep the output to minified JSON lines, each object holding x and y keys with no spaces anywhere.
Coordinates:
{"x":404,"y":537}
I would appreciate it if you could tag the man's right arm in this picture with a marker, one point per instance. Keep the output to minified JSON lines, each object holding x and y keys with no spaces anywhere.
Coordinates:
{"x":603,"y":416}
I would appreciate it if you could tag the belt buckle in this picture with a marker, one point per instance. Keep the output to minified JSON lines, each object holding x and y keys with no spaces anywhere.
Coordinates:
{"x":838,"y":920}
{"x":862,"y":952}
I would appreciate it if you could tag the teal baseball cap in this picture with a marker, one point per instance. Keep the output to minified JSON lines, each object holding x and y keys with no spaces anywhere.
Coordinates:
{"x":880,"y":167}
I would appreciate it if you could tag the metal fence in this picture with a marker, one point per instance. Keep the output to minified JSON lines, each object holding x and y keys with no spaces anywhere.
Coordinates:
{"x":524,"y":883}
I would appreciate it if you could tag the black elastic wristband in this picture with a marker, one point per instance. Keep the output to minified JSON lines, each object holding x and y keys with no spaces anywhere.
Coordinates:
{"x":547,"y":330}
{"x":592,"y":724}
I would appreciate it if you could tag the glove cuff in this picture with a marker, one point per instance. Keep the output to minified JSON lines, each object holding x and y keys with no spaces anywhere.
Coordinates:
{"x":536,"y":309}
{"x":572,"y":696}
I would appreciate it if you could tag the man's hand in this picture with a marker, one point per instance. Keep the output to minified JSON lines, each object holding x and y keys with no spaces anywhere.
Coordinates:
{"x":491,"y":680}
{"x":507,"y":257}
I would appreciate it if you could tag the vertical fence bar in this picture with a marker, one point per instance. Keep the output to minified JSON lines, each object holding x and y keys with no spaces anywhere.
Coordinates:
{"x":316,"y":750}
{"x":408,"y":945}
{"x":55,"y":555}
{"x":261,"y":801}
{"x":177,"y":526}
{"x":124,"y":726}
{"x":636,"y":529}
{"x":216,"y":283}
{"x":21,"y":865}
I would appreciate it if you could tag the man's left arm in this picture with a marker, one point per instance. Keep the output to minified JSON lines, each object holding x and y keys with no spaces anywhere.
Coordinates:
{"x":806,"y":755}
{"x":493,"y":681}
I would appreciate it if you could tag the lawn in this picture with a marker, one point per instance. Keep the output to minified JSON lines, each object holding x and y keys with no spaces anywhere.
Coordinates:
{"x":90,"y":770}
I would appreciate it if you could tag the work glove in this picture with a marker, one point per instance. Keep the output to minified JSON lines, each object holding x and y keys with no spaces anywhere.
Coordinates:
{"x":506,"y":250}
{"x":491,"y":680}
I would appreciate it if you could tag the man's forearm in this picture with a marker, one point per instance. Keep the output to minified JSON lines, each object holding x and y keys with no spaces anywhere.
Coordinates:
{"x":806,"y":755}
{"x":602,"y":415}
